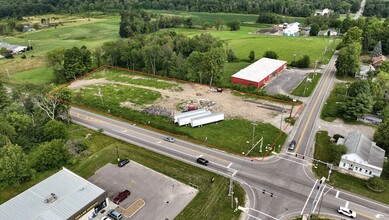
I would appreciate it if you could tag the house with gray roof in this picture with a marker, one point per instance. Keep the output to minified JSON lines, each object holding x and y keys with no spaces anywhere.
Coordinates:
{"x":363,"y":159}
{"x":64,"y":195}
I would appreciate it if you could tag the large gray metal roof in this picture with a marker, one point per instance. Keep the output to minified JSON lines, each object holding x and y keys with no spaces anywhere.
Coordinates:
{"x":72,"y":191}
{"x":365,"y":149}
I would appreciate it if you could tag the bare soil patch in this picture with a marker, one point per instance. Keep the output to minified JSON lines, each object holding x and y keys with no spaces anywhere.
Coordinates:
{"x":233,"y":106}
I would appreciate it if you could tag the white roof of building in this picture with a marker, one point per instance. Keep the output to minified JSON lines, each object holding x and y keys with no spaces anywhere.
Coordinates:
{"x":363,"y":150}
{"x":259,"y":70}
{"x":72,"y":191}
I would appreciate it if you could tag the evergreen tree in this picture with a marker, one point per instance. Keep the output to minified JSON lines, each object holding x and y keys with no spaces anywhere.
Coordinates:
{"x":377,"y":50}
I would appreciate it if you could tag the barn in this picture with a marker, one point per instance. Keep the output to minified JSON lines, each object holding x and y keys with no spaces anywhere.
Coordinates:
{"x":258,"y":73}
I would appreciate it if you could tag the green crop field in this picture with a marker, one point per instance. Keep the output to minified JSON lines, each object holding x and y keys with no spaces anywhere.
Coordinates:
{"x":198,"y":17}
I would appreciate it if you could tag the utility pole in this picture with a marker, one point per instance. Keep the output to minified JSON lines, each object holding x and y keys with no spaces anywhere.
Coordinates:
{"x":9,"y":78}
{"x":101,"y":96}
{"x":318,"y":196}
{"x":282,"y":114}
{"x":117,"y":152}
{"x":253,"y":133}
{"x":231,"y":187}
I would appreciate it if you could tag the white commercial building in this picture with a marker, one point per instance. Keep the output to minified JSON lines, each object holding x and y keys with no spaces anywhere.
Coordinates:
{"x":364,"y":158}
{"x":64,"y":195}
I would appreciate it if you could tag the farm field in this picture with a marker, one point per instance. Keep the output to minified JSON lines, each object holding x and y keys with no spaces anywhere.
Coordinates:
{"x":136,"y":93}
{"x":199,"y":17}
{"x":93,"y":32}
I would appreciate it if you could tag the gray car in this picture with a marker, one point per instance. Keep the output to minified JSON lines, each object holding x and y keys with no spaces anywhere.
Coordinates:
{"x":292,"y":145}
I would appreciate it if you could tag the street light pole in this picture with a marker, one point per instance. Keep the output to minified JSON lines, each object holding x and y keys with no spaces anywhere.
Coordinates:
{"x":117,"y":152}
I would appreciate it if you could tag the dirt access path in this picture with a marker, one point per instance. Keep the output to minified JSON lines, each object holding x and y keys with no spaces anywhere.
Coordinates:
{"x":233,"y":106}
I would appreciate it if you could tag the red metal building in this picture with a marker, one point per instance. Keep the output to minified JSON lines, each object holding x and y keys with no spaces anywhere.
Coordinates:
{"x":258,"y":73}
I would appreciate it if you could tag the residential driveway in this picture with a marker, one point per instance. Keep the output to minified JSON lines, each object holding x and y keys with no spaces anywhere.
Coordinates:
{"x":286,"y":81}
{"x":339,"y":127}
{"x":164,"y":197}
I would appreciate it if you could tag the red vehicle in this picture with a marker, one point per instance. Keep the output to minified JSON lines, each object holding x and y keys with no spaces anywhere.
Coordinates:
{"x":122,"y":196}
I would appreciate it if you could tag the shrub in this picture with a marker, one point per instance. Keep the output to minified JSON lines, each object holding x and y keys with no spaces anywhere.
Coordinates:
{"x":230,"y":55}
{"x":270,"y":54}
{"x":23,"y":56}
{"x":376,"y":184}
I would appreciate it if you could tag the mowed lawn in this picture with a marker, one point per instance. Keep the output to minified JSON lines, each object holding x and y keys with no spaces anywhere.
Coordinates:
{"x":38,"y":76}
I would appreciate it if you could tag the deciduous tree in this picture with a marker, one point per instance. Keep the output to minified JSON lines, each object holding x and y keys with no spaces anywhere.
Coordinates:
{"x":348,"y":63}
{"x":14,"y":165}
{"x":49,"y":155}
{"x":381,"y":135}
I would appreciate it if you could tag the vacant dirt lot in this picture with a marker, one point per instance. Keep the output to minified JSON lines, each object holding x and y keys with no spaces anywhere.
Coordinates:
{"x":233,"y":106}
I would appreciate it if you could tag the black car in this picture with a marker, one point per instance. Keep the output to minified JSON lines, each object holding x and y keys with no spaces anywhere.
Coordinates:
{"x":202,"y":161}
{"x":292,"y":145}
{"x":123,"y":162}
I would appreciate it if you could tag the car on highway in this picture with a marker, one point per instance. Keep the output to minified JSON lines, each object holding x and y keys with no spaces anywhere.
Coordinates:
{"x":202,"y":161}
{"x":292,"y":145}
{"x":347,"y":212}
{"x":121,"y":196}
{"x":115,"y":215}
{"x":169,"y":139}
{"x":123,"y":162}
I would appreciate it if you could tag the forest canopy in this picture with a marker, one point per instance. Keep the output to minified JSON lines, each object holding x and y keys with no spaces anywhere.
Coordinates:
{"x":299,"y":8}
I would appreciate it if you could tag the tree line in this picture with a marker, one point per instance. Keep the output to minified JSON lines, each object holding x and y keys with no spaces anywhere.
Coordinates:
{"x":299,"y":8}
{"x":377,"y":8}
{"x":198,"y":59}
{"x":33,"y":133}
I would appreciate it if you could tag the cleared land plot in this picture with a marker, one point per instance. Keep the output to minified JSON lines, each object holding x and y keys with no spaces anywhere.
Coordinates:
{"x":164,"y":197}
{"x":231,"y":135}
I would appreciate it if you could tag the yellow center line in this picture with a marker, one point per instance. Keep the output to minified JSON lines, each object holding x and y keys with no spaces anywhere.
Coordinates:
{"x":312,"y":110}
{"x":88,"y":118}
{"x":366,"y":216}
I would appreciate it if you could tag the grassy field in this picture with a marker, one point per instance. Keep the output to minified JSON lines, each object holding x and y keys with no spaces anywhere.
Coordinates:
{"x":212,"y":201}
{"x":118,"y":76}
{"x":40,"y":75}
{"x":242,"y":42}
{"x":305,"y":88}
{"x":339,"y":180}
{"x":331,"y":107}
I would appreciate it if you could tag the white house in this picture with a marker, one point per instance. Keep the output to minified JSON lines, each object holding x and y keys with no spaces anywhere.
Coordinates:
{"x":324,"y":12}
{"x":363,"y":159}
{"x":363,"y":72}
{"x":292,"y":29}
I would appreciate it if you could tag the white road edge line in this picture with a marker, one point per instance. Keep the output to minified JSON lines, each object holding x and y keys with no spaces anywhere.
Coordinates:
{"x":229,"y":165}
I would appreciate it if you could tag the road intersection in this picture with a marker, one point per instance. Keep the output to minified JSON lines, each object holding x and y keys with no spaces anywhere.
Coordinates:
{"x":279,"y":187}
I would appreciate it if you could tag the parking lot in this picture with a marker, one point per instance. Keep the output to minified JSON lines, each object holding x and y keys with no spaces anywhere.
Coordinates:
{"x":164,"y":197}
{"x":286,"y":81}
